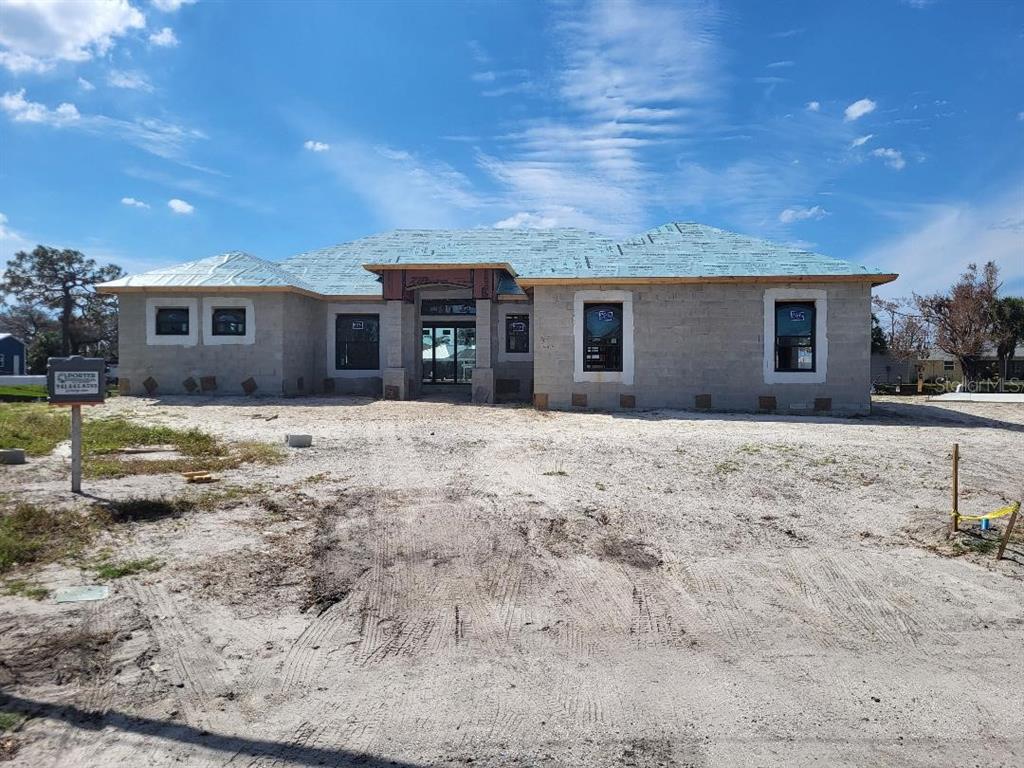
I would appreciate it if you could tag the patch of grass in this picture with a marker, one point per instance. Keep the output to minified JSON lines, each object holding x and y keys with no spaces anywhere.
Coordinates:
{"x":555,"y":473}
{"x":18,"y":392}
{"x":33,"y":534}
{"x":229,"y":457}
{"x":108,"y":571}
{"x":727,"y":467}
{"x":9,"y":721}
{"x":104,"y":436}
{"x":24,"y":588}
{"x":142,"y":509}
{"x":39,"y":428}
{"x":977,"y":544}
{"x":36,"y":428}
{"x":228,"y":495}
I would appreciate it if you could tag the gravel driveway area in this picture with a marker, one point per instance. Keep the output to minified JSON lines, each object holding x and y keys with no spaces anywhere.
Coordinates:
{"x":440,"y":584}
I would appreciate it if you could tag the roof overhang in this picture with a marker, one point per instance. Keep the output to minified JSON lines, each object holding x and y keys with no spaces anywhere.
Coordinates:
{"x":392,"y":266}
{"x":874,"y":279}
{"x":213,"y":289}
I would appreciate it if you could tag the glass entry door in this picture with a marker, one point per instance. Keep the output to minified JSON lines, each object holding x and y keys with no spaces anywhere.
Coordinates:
{"x":449,"y":353}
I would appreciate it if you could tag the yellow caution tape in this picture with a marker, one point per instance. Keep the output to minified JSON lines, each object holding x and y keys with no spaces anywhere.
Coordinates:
{"x":1009,"y":509}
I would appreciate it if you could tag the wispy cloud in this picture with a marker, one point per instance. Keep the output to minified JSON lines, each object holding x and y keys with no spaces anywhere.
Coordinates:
{"x":858,"y":109}
{"x":780,"y":64}
{"x":11,"y":240}
{"x":158,"y":137}
{"x":813,"y":106}
{"x":862,"y":140}
{"x":165,"y":38}
{"x":892,"y":157}
{"x":34,"y":36}
{"x":85,"y":85}
{"x":936,"y":241}
{"x":403,"y":189}
{"x":134,"y":81}
{"x":131,"y":202}
{"x":180,"y":207}
{"x":633,"y":76}
{"x":791,"y":215}
{"x":316,"y":146}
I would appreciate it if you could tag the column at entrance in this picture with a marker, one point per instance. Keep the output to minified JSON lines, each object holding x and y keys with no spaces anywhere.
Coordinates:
{"x":394,"y":373}
{"x":483,"y":372}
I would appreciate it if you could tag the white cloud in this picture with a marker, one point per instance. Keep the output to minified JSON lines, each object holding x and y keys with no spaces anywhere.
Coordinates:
{"x":135,"y":81}
{"x":813,"y":106}
{"x":858,"y":109}
{"x":791,"y":215}
{"x":316,"y":146}
{"x":936,"y":242}
{"x":525,"y":220}
{"x":22,"y":110}
{"x":170,"y":6}
{"x":777,"y":64}
{"x":1020,"y":116}
{"x":85,"y":85}
{"x":180,"y":206}
{"x":133,"y":203}
{"x":36,"y":34}
{"x":893,"y":157}
{"x":165,"y":38}
{"x":860,"y":141}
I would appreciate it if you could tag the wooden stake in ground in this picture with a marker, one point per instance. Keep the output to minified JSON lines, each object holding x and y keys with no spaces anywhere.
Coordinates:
{"x":954,"y":525}
{"x":1006,"y":536}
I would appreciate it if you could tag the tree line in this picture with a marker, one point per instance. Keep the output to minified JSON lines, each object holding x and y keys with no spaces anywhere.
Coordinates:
{"x":971,"y":322}
{"x":48,"y":299}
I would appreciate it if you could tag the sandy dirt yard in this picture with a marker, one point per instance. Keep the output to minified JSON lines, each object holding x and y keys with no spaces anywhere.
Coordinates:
{"x":438,"y":584}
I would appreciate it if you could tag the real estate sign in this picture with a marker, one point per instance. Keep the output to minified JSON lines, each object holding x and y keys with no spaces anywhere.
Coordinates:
{"x":76,"y":379}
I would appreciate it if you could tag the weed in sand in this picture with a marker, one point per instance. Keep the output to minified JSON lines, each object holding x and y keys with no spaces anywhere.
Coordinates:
{"x":107,"y":571}
{"x":9,"y":721}
{"x":142,"y":509}
{"x":23,"y":588}
{"x":34,"y":534}
{"x":727,"y":467}
{"x":230,"y":495}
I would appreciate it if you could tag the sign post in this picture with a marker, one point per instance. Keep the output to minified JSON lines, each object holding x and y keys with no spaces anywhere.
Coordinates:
{"x":76,"y":381}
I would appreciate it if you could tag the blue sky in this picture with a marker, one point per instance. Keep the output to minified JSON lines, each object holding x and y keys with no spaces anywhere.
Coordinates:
{"x":146,"y":132}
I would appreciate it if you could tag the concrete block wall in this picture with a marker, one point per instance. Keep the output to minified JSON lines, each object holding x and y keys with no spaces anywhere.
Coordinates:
{"x":172,"y":365}
{"x":303,"y":344}
{"x":692,"y":340}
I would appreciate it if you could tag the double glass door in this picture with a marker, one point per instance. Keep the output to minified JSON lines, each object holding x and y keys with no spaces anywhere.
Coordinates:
{"x":449,"y":353}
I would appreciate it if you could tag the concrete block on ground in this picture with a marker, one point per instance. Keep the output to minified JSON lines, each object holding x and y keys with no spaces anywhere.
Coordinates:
{"x":12,"y":456}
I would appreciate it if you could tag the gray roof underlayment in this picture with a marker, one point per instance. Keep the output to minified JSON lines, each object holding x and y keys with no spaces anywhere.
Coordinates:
{"x":675,"y":250}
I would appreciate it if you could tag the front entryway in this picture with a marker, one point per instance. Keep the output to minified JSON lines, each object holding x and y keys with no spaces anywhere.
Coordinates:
{"x":449,"y":352}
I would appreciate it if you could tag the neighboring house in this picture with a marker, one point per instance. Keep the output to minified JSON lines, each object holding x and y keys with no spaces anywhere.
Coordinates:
{"x":12,"y":356}
{"x":938,"y":365}
{"x":682,"y":316}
